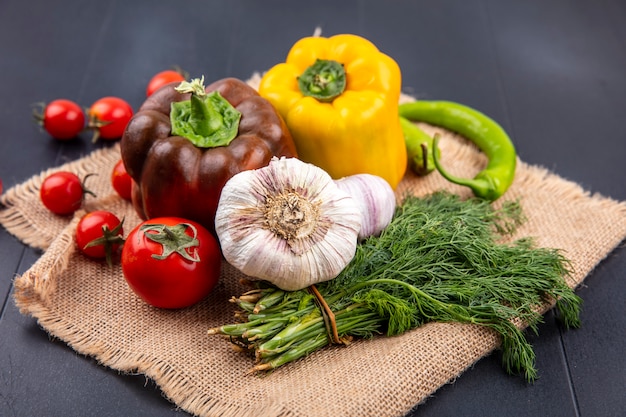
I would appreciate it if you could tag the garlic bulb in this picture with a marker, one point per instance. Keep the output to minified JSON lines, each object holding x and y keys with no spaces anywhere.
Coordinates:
{"x":375,"y":199}
{"x":287,"y":223}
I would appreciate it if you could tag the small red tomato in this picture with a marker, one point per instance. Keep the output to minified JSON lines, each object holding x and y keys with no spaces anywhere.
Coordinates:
{"x":63,"y":192}
{"x":99,"y":235}
{"x":171,"y":262}
{"x":162,"y":78}
{"x":108,"y":117}
{"x":0,"y":186}
{"x":121,"y":181}
{"x":62,"y":119}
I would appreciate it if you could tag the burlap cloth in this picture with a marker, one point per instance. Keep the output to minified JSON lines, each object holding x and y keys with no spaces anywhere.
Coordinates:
{"x":90,"y":307}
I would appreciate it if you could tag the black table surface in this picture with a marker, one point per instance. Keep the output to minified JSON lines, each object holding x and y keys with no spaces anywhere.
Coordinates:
{"x":552,"y":72}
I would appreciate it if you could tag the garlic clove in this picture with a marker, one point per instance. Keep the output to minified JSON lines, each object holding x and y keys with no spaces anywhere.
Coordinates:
{"x":287,"y":223}
{"x":375,"y":198}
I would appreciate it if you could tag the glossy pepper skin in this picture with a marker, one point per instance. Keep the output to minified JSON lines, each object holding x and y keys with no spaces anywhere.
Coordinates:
{"x":357,"y":131}
{"x":496,"y":178}
{"x":174,"y":177}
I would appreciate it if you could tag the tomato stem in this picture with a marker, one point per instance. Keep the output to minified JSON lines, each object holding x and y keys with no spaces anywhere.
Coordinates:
{"x":109,"y":239}
{"x":95,"y":123}
{"x":38,"y":112}
{"x":173,"y":239}
{"x":85,"y":189}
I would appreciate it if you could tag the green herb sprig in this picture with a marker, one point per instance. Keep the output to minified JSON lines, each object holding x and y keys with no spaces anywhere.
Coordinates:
{"x":441,"y":259}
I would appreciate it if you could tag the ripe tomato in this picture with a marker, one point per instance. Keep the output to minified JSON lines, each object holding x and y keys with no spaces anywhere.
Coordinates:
{"x":63,"y":192}
{"x":0,"y":186}
{"x":162,"y":78}
{"x":99,"y":235}
{"x":109,"y":116}
{"x":171,"y":262}
{"x":121,"y":181}
{"x":62,"y":119}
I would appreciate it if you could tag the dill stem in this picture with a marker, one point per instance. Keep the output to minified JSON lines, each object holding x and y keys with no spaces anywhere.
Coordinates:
{"x":349,"y":318}
{"x":294,"y":331}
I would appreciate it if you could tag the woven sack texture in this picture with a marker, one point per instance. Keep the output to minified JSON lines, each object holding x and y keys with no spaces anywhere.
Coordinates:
{"x":89,"y":306}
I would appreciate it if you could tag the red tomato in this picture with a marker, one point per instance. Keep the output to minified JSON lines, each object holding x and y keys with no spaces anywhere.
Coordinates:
{"x":0,"y":186}
{"x":162,"y":78}
{"x":171,"y":262}
{"x":62,"y":192}
{"x":62,"y":119}
{"x":99,"y":234}
{"x":121,"y":181}
{"x":109,"y":117}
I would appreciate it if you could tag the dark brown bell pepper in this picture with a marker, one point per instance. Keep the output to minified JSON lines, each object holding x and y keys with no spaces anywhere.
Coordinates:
{"x":175,"y":177}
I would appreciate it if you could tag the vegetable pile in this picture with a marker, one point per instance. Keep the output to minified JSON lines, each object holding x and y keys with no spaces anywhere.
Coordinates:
{"x":293,"y":185}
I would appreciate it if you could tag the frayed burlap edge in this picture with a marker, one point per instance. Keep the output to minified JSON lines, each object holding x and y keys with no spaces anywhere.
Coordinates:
{"x":33,"y":289}
{"x":32,"y":293}
{"x":180,"y":391}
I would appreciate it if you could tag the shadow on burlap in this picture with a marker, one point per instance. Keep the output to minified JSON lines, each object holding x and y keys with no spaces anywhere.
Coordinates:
{"x":89,"y":306}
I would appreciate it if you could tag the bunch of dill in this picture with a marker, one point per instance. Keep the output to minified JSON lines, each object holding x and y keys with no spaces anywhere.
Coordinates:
{"x":441,"y":259}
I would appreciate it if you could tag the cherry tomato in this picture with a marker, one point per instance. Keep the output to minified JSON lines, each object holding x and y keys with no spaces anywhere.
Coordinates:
{"x":63,"y":192}
{"x":108,"y":117}
{"x":171,"y":262}
{"x":0,"y":186}
{"x":99,"y":234}
{"x":62,"y":119}
{"x":121,"y":181}
{"x":162,"y":78}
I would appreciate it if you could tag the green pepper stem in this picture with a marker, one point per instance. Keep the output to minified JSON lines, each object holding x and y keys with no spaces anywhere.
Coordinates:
{"x":425,"y":163}
{"x":325,"y":80}
{"x":204,"y":119}
{"x":195,"y":87}
{"x":207,"y":120}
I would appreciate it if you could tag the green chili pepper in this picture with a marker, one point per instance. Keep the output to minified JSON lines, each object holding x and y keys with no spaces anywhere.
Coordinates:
{"x":488,"y":135}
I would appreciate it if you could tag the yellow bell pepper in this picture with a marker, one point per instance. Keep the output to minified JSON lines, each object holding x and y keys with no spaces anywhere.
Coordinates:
{"x":339,"y":98}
